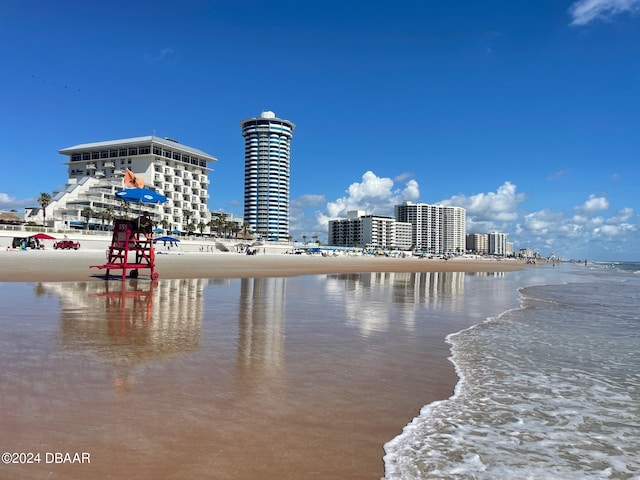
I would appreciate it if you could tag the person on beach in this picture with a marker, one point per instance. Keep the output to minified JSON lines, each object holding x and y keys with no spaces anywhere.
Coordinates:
{"x":144,"y":223}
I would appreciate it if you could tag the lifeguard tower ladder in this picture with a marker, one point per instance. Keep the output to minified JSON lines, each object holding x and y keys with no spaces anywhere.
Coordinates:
{"x":130,"y":249}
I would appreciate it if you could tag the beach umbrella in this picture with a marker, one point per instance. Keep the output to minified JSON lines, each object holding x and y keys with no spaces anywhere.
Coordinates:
{"x":43,"y":236}
{"x":166,"y":239}
{"x":140,"y":195}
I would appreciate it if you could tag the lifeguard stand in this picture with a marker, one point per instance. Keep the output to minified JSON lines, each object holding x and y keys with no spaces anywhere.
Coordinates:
{"x":130,"y":249}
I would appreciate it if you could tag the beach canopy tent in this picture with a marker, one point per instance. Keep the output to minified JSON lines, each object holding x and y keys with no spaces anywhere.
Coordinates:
{"x":43,"y":236}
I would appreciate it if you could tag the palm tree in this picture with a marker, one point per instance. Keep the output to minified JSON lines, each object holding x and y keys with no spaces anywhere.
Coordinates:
{"x":107,"y":215}
{"x":124,"y":209}
{"x":44,"y":199}
{"x":246,"y":229}
{"x":87,"y":213}
{"x":234,"y":228}
{"x":220,"y":223}
{"x":201,"y":226}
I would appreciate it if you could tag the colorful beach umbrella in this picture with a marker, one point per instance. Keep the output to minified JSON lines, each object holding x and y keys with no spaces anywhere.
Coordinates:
{"x":140,"y":195}
{"x":166,"y":239}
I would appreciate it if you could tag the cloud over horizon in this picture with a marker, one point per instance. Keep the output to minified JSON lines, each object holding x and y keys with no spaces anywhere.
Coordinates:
{"x":8,"y":202}
{"x":374,"y":195}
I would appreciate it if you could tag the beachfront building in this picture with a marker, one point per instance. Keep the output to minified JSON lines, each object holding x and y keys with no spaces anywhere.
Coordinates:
{"x":478,"y":243}
{"x":97,"y":170}
{"x":436,"y":229}
{"x":267,"y":141}
{"x":497,"y":244}
{"x":369,"y":231}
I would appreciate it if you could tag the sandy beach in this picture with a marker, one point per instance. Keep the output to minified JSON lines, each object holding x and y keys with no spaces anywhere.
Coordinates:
{"x":70,"y":265}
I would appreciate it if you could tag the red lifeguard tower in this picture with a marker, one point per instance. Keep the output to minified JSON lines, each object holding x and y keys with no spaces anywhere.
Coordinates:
{"x":131,"y":249}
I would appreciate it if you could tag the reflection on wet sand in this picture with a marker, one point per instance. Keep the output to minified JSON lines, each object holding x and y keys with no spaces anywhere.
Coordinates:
{"x":261,"y":330}
{"x":368,"y":297}
{"x":131,"y":323}
{"x":287,"y":378}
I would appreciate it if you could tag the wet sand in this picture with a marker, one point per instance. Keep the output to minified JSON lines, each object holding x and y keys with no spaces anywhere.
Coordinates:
{"x":43,"y":265}
{"x":222,"y":415}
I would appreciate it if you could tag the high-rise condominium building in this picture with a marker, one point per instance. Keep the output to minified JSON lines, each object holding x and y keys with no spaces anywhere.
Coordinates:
{"x":435,"y":228}
{"x":96,"y":172}
{"x":267,"y":141}
{"x":374,"y":231}
{"x":497,"y":243}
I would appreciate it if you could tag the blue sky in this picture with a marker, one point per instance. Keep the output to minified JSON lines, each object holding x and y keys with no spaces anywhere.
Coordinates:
{"x":526,"y":113}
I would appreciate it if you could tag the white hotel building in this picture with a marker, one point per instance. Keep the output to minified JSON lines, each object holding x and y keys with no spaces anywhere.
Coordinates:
{"x":96,"y":172}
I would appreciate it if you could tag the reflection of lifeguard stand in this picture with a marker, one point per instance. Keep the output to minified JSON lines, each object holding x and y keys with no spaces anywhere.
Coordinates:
{"x":130,"y":249}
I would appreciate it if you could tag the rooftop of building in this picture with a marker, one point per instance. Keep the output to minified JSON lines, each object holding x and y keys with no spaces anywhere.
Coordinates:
{"x":150,"y":139}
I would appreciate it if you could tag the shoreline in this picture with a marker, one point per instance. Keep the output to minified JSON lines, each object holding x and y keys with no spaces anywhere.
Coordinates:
{"x":71,"y":265}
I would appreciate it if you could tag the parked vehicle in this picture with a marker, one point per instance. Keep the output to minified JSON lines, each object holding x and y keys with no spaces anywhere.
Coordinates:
{"x":66,"y":244}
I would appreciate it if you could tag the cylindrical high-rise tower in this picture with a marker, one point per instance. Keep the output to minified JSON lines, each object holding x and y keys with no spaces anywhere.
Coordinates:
{"x":267,"y":142}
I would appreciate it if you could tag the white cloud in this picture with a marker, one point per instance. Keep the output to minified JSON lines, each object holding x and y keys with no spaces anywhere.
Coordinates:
{"x":498,"y":206}
{"x":623,"y":215}
{"x":5,"y":198}
{"x":374,"y":195}
{"x":297,"y":211}
{"x":403,"y":176}
{"x":309,"y":200}
{"x":613,"y":230}
{"x":584,"y":12}
{"x":593,"y":204}
{"x":7,"y":202}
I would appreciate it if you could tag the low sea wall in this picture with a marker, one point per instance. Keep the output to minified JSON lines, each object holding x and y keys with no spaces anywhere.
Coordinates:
{"x":96,"y":240}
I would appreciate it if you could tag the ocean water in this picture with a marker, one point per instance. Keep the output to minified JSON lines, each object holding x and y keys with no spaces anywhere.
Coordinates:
{"x":550,"y":390}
